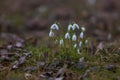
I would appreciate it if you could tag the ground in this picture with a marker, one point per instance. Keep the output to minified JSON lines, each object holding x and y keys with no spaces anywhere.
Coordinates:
{"x":28,"y":53}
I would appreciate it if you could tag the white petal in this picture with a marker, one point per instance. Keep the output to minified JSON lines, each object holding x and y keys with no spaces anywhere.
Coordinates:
{"x":74,"y":37}
{"x":86,"y":41}
{"x":67,"y":36}
{"x":73,"y":27}
{"x":51,"y":34}
{"x":76,"y":26}
{"x":83,"y":28}
{"x":69,"y":27}
{"x":57,"y":27}
{"x":54,"y":26}
{"x":78,"y":51}
{"x":61,"y":42}
{"x":81,"y":35}
{"x":80,"y":44}
{"x":75,"y":45}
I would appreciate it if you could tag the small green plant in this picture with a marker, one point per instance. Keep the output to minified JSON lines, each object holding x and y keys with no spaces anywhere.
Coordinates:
{"x":71,"y":42}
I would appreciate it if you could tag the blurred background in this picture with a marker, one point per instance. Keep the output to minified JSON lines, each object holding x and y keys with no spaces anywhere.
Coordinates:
{"x":100,"y":17}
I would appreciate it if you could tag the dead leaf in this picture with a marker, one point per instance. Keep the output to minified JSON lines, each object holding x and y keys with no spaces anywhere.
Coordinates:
{"x":22,"y":60}
{"x":100,"y":47}
{"x":62,"y":70}
{"x":60,"y":78}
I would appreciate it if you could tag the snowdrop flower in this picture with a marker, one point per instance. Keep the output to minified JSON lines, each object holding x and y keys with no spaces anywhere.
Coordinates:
{"x":67,"y":36}
{"x":81,"y":35}
{"x":78,"y":51}
{"x":83,"y":28}
{"x":75,"y":45}
{"x":86,"y":41}
{"x":80,"y":44}
{"x":54,"y":26}
{"x":75,"y":26}
{"x":61,"y":42}
{"x":74,"y":37}
{"x":51,"y":34}
{"x":69,"y":27}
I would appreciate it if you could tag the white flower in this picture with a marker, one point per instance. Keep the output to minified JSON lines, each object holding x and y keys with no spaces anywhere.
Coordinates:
{"x":86,"y":41}
{"x":67,"y":36}
{"x":61,"y":42}
{"x":69,"y":27}
{"x":75,"y":26}
{"x":78,"y":51}
{"x":83,"y":28}
{"x":51,"y":34}
{"x":75,"y":45}
{"x":81,"y":35}
{"x":74,"y":37}
{"x":54,"y":26}
{"x":80,"y":44}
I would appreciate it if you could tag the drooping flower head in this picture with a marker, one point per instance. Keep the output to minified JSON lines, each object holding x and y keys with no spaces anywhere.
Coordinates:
{"x":61,"y":42}
{"x":67,"y":36}
{"x":54,"y":27}
{"x":86,"y":41}
{"x":80,"y":43}
{"x":83,"y":29}
{"x":69,"y":27}
{"x":75,"y":45}
{"x":78,"y":51}
{"x":51,"y":34}
{"x":74,"y":37}
{"x":81,"y":35}
{"x":75,"y":26}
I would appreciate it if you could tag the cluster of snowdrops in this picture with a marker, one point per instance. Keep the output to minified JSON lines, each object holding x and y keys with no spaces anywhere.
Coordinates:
{"x":72,"y":38}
